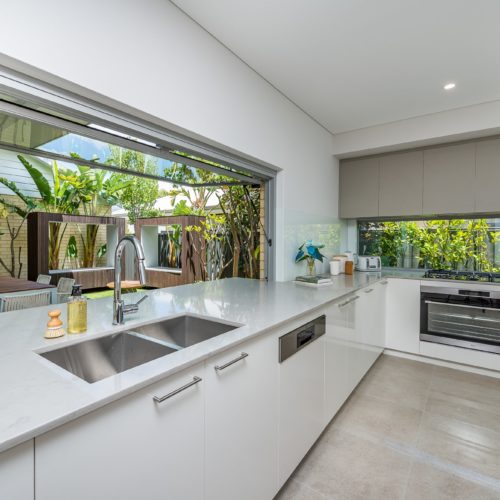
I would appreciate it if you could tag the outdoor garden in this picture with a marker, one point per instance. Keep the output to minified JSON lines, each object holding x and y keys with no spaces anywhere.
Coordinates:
{"x":457,"y":244}
{"x":78,"y":201}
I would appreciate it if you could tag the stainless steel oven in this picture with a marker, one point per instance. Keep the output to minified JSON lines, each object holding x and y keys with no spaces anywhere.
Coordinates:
{"x":461,"y":315}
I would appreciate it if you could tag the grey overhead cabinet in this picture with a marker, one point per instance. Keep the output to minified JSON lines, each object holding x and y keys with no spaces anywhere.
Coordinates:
{"x":487,"y":188}
{"x":359,"y":188}
{"x":401,"y":184}
{"x":437,"y":181}
{"x":449,"y":179}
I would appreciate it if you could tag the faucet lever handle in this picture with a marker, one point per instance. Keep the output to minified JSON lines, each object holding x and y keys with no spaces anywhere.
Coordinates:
{"x":134,"y":307}
{"x":142,"y":299}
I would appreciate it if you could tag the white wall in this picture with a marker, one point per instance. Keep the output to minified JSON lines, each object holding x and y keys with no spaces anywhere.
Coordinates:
{"x":148,"y":55}
{"x":469,"y":122}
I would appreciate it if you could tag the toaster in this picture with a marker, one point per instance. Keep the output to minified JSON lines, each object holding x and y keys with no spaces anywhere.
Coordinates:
{"x":369,"y":263}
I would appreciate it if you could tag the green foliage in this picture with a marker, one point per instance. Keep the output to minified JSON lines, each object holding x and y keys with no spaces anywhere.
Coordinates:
{"x":197,"y":197}
{"x":72,"y":248}
{"x":28,"y":204}
{"x":441,"y":244}
{"x":139,"y":196}
{"x":182,"y":208}
{"x":391,"y":242}
{"x":102,"y":250}
{"x":96,"y":189}
{"x":240,"y":206}
{"x":215,"y":238}
{"x":60,"y":197}
{"x":72,"y":252}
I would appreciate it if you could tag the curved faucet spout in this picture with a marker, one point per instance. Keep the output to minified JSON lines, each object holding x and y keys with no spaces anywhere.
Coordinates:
{"x":118,"y":306}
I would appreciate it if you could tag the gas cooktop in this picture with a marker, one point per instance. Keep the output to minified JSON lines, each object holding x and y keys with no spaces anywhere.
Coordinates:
{"x":446,"y":274}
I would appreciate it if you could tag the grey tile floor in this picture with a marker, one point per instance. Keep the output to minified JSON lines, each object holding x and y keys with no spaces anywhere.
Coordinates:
{"x":410,"y":431}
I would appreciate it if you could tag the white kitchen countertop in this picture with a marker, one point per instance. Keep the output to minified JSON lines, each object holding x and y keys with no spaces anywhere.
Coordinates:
{"x":37,"y":395}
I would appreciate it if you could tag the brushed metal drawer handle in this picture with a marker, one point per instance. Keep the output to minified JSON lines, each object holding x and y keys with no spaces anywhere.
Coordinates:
{"x":243,"y":355}
{"x":159,"y":399}
{"x":369,"y":290}
{"x":347,"y":302}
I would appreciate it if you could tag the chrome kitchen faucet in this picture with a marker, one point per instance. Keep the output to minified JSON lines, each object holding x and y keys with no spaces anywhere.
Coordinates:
{"x":119,"y":307}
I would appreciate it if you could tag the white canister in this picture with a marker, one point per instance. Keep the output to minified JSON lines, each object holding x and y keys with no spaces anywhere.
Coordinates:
{"x":341,"y":258}
{"x":335,"y":267}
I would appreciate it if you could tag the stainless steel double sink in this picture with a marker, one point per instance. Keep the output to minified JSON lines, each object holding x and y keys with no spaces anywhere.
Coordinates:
{"x":95,"y":359}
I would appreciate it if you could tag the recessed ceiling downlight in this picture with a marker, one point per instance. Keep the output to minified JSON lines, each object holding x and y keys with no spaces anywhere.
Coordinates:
{"x":449,"y":86}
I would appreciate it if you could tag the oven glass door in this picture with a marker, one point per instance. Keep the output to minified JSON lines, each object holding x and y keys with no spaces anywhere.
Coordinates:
{"x":461,"y":320}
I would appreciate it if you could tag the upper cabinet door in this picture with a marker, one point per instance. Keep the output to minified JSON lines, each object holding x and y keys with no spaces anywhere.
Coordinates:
{"x":401,"y":184}
{"x":359,"y":181}
{"x":449,"y":179}
{"x":488,"y":176}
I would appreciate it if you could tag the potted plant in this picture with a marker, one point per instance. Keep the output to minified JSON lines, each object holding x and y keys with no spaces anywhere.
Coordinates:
{"x":310,"y":253}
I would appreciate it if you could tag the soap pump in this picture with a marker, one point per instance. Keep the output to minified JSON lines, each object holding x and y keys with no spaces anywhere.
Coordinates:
{"x":77,"y":311}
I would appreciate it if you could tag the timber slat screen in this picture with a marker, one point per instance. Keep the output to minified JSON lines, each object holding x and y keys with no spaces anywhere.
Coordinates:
{"x":191,"y":260}
{"x":38,"y":248}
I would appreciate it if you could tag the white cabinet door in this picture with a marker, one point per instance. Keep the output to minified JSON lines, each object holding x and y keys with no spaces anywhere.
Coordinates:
{"x":355,"y":305}
{"x":367,"y":306}
{"x":17,"y":473}
{"x":339,"y":334}
{"x":403,"y":315}
{"x":131,"y":449}
{"x":241,"y":422}
{"x":381,"y":314}
{"x":371,"y":309}
{"x":301,"y":413}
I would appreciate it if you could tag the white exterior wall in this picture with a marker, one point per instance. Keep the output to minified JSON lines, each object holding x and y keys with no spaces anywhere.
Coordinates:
{"x":150,"y":56}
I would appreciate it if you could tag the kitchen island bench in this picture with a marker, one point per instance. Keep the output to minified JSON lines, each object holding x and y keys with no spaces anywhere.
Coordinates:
{"x":38,"y":396}
{"x":240,"y":409}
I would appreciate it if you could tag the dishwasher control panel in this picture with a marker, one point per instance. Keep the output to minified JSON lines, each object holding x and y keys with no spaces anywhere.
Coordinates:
{"x":294,"y":341}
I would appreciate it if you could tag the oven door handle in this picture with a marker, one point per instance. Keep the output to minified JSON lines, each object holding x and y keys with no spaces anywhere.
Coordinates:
{"x":462,"y":305}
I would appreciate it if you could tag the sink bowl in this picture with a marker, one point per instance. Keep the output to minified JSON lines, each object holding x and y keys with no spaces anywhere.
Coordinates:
{"x":184,"y":331}
{"x":96,"y":359}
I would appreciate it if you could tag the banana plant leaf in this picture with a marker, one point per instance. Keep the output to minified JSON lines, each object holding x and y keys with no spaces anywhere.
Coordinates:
{"x":40,"y":181}
{"x":14,"y":208}
{"x":30,"y":203}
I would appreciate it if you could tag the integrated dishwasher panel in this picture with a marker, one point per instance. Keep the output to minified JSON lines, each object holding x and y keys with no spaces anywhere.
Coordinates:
{"x":297,"y":339}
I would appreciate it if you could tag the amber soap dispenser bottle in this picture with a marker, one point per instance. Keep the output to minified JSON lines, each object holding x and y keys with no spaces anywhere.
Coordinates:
{"x":77,"y":311}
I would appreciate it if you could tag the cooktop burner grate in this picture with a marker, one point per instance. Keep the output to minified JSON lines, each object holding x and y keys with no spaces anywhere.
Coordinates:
{"x":446,"y":274}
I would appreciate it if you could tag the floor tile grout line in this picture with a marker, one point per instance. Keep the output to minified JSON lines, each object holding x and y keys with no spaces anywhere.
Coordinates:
{"x":463,"y":472}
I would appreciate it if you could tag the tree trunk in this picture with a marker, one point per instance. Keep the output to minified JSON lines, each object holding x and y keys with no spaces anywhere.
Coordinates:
{"x":89,"y":252}
{"x":56,"y":234}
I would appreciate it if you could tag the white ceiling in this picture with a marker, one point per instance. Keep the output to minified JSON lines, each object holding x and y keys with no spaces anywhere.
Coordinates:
{"x":356,"y":63}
